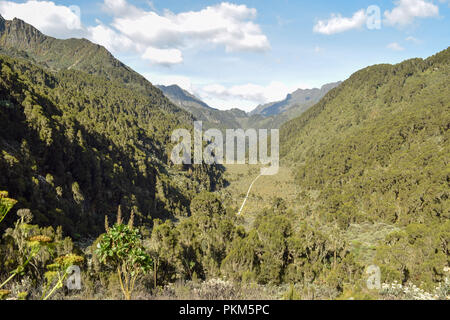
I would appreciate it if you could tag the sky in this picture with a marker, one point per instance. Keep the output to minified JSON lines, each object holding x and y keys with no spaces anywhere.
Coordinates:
{"x":239,"y":54}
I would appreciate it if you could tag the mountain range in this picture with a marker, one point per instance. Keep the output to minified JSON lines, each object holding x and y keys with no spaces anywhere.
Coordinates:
{"x":301,"y":100}
{"x":82,"y":134}
{"x":21,"y":40}
{"x":268,"y":116}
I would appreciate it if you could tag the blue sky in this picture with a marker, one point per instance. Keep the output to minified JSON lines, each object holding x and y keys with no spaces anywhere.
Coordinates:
{"x":238,"y":54}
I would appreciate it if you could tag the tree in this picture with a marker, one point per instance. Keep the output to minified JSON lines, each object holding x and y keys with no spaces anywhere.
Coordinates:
{"x":165,"y":251}
{"x":121,"y":248}
{"x":216,"y":230}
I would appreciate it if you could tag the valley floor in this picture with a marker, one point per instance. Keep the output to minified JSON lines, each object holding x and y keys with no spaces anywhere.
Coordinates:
{"x":362,"y":238}
{"x":263,"y":193}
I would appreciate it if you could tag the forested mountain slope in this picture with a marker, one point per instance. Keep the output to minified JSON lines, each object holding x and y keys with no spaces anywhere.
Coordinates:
{"x":19,"y":39}
{"x":78,"y":138}
{"x":377,"y":147}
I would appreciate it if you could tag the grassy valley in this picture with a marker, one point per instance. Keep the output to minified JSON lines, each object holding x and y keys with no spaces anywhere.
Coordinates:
{"x":87,"y":180}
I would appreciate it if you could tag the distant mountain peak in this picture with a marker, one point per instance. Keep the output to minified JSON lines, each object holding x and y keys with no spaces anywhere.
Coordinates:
{"x":18,"y":23}
{"x":20,"y":35}
{"x":181,"y":97}
{"x":303,"y":98}
{"x":173,"y":86}
{"x":22,"y":40}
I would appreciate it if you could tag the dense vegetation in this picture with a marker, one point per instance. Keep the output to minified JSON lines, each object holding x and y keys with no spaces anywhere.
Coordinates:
{"x":21,"y":40}
{"x":376,"y":149}
{"x":81,"y":133}
{"x":207,"y":245}
{"x":74,"y":146}
{"x":81,"y":138}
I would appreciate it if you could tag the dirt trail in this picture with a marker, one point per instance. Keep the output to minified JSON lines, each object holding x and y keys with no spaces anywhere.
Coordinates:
{"x":248,"y":193}
{"x":252,"y":193}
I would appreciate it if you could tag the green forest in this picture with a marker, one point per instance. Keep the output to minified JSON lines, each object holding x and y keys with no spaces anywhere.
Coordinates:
{"x":86,"y":180}
{"x":383,"y":158}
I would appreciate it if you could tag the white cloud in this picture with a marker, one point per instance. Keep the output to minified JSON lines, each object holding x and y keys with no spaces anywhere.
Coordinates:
{"x":54,"y":20}
{"x":246,"y":96}
{"x":337,"y":23}
{"x":161,"y":38}
{"x":120,"y":8}
{"x":223,"y":24}
{"x":404,"y":13}
{"x":168,"y":80}
{"x":163,"y":56}
{"x":407,"y":10}
{"x":413,"y":40}
{"x":110,"y":39}
{"x":395,"y":46}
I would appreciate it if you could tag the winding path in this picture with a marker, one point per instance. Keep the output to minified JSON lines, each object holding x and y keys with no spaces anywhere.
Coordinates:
{"x":248,"y":193}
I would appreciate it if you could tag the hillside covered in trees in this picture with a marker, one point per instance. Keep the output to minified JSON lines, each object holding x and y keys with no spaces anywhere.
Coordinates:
{"x":76,"y":142}
{"x":377,"y":146}
{"x":376,"y":150}
{"x":86,"y":180}
{"x":22,"y":40}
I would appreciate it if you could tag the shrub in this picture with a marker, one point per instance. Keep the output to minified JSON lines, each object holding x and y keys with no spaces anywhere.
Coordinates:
{"x":121,"y":248}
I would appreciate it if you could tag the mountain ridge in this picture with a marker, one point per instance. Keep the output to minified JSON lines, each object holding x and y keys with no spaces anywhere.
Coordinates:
{"x":306,"y":97}
{"x":260,"y":118}
{"x":376,"y":122}
{"x":22,"y":40}
{"x":212,"y":118}
{"x":87,"y":136}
